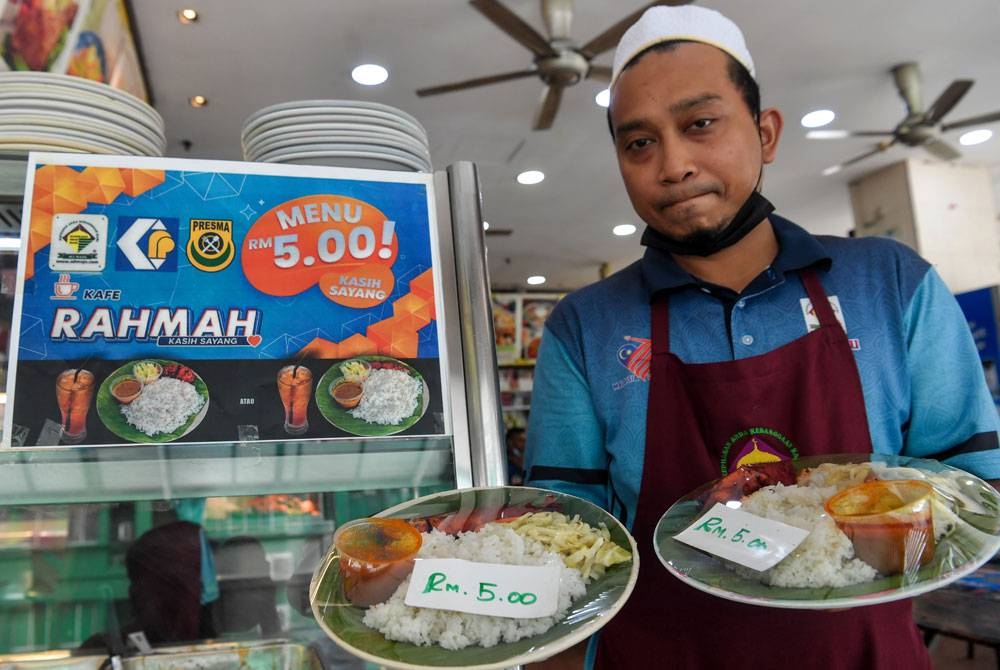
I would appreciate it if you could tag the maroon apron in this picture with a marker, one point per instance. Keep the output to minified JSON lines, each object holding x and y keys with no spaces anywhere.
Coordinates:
{"x":704,"y":419}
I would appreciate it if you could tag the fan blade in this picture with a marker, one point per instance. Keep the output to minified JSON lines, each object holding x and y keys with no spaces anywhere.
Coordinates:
{"x":907,"y":78}
{"x":609,"y":38}
{"x":941,"y":149}
{"x":947,"y":100}
{"x":514,"y":25}
{"x":550,"y":105}
{"x":558,"y":16}
{"x":982,"y":119}
{"x":602,"y":72}
{"x":472,"y":83}
{"x":879,"y":148}
{"x":830,"y":134}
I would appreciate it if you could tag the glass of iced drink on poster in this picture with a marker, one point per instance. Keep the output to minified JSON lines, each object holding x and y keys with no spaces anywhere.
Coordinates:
{"x":74,"y":392}
{"x":295,"y":388}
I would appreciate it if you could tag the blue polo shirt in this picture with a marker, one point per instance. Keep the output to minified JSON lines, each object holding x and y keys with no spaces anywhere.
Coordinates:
{"x":924,"y":390}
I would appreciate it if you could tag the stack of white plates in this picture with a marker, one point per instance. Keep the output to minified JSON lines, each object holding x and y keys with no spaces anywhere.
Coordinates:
{"x":342,"y":133}
{"x":41,"y":111}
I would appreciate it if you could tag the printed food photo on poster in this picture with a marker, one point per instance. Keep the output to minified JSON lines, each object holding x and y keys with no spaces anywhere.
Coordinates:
{"x":170,"y":301}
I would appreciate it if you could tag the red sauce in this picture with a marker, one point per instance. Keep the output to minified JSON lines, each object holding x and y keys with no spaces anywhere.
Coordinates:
{"x":126,"y":390}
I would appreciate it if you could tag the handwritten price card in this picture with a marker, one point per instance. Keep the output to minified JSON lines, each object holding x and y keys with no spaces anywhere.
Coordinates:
{"x":743,"y":538}
{"x":512,"y":591}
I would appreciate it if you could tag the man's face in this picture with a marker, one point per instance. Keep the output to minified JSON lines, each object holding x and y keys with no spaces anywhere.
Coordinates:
{"x":688,"y":147}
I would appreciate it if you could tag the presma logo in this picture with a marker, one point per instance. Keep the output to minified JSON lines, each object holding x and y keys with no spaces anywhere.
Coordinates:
{"x":210,"y":247}
{"x":147,"y":244}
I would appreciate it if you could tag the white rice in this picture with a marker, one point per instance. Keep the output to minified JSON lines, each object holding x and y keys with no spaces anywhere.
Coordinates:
{"x":163,"y":406}
{"x":494,"y":543}
{"x":389,"y":397}
{"x":825,"y":558}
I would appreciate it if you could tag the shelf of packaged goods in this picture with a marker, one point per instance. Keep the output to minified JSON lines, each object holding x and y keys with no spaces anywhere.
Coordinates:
{"x":156,"y":472}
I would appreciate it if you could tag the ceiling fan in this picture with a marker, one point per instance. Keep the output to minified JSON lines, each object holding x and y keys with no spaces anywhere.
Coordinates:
{"x":559,"y":61}
{"x":920,"y":127}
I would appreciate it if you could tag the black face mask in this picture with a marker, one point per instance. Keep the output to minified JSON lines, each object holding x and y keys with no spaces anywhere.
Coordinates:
{"x":754,"y":210}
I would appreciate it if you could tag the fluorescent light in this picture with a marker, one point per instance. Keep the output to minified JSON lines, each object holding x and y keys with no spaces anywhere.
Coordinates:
{"x":486,"y":225}
{"x":975,"y":137}
{"x":818,"y":118}
{"x":833,"y":169}
{"x":198,"y":101}
{"x":10,"y":244}
{"x":827,"y":134}
{"x":603,"y":98}
{"x":529,"y":177}
{"x":369,"y":74}
{"x":187,"y":15}
{"x":623,"y":229}
{"x":535,"y":280}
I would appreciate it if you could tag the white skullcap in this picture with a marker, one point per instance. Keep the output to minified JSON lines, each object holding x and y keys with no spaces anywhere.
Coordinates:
{"x":687,"y":22}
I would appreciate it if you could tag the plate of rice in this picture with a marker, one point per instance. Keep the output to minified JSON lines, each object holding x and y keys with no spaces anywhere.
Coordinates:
{"x":394,"y":396}
{"x":595,"y":554}
{"x":169,"y":400}
{"x":826,"y":570}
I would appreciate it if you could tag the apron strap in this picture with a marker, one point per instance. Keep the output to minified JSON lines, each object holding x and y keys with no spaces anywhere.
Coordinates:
{"x":661,"y":324}
{"x":818,"y":298}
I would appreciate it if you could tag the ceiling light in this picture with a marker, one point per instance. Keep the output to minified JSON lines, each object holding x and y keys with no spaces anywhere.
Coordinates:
{"x":535,"y":280}
{"x":818,"y":118}
{"x":198,"y":101}
{"x":369,"y":74}
{"x":603,"y":98}
{"x":187,"y":16}
{"x":529,"y":177}
{"x":486,"y":225}
{"x":975,"y":137}
{"x":833,"y":169}
{"x":623,"y":229}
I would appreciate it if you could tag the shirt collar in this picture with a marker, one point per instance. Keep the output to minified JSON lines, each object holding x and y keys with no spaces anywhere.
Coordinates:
{"x":797,"y":249}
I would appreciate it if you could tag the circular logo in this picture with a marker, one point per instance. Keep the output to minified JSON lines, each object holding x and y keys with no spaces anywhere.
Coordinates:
{"x":755,"y":445}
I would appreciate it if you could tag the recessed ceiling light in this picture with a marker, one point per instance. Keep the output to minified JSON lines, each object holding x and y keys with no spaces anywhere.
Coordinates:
{"x":603,"y":98}
{"x":833,"y":169}
{"x":198,"y":101}
{"x":369,"y":74}
{"x":975,"y":137}
{"x":818,"y":118}
{"x":187,"y":15}
{"x":486,"y":225}
{"x":529,"y":177}
{"x":535,"y":280}
{"x":623,"y":229}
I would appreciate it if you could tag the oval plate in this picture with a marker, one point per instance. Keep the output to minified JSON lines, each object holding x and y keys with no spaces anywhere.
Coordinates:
{"x":342,"y":418}
{"x":114,"y":420}
{"x":959,"y":553}
{"x":604,"y":597}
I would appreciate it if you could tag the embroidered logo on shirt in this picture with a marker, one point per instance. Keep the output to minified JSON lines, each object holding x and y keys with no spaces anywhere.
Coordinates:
{"x":755,"y":445}
{"x":635,"y":355}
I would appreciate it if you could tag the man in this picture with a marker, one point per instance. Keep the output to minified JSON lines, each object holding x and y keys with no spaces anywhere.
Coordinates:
{"x":739,"y":337}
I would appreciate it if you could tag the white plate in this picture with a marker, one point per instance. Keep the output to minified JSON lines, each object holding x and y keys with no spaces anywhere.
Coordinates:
{"x":293,"y":117}
{"x":55,"y":117}
{"x":351,"y":148}
{"x":27,"y":91}
{"x":343,"y":143}
{"x":83,"y":110}
{"x":320,"y":129}
{"x":367,"y":159}
{"x":129,"y":145}
{"x":974,"y":541}
{"x":80,"y":84}
{"x":302,"y":105}
{"x":60,"y":138}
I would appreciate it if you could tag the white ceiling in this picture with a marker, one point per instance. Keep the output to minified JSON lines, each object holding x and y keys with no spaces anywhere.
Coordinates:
{"x":247,"y":54}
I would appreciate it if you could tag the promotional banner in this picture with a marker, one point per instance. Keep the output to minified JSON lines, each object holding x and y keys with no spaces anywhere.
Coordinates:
{"x":165,"y":300}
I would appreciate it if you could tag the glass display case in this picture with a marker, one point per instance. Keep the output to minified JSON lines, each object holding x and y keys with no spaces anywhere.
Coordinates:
{"x":208,"y":549}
